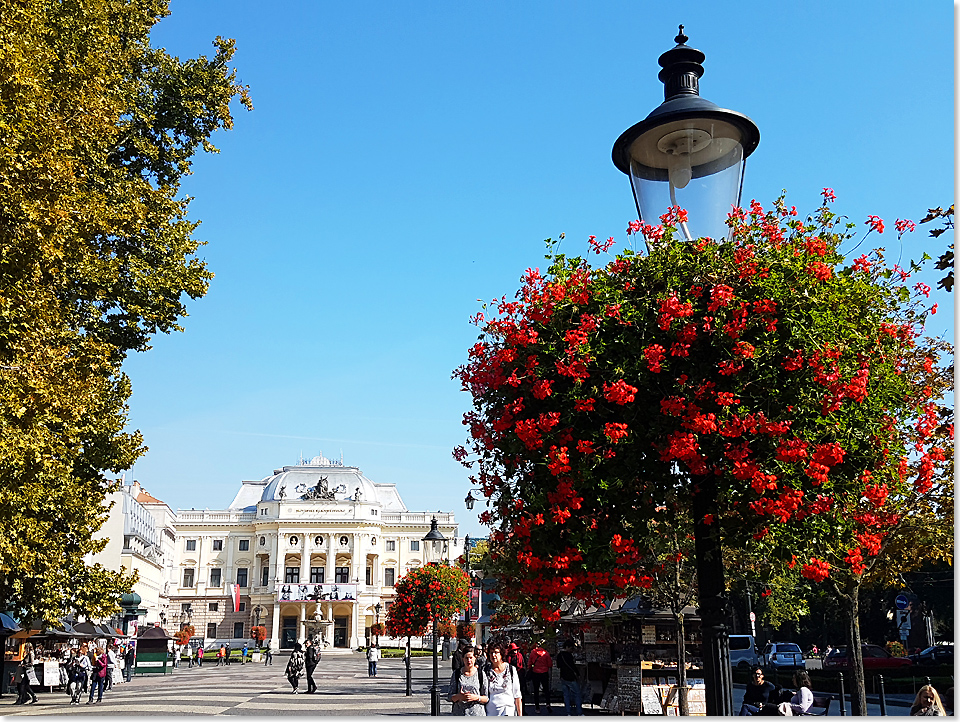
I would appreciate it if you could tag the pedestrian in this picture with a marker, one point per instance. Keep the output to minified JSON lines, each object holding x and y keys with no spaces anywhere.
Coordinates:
{"x":827,"y":651}
{"x":295,"y":667}
{"x":86,"y":666}
{"x":200,"y":656}
{"x":28,"y":676}
{"x":176,"y":656}
{"x":758,"y":693}
{"x":226,"y":654}
{"x":220,"y":656}
{"x":569,"y":680}
{"x":456,"y":659}
{"x":540,"y":665}
{"x":517,"y":661}
{"x":99,"y":675}
{"x":268,"y":655}
{"x":373,"y":656}
{"x":129,"y":660}
{"x":76,"y":677}
{"x":311,"y":659}
{"x":927,"y":703}
{"x":505,"y":699}
{"x":243,"y":654}
{"x":469,"y":689}
{"x":111,"y":666}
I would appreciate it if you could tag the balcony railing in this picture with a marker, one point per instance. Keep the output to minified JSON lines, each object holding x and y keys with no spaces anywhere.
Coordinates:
{"x":219,"y":517}
{"x":416,"y":517}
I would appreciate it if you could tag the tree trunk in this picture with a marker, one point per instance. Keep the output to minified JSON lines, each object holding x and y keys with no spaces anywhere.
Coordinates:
{"x":858,"y":687}
{"x":681,"y":662}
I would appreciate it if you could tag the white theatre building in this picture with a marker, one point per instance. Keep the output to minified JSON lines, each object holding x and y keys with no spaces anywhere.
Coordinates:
{"x":309,"y":551}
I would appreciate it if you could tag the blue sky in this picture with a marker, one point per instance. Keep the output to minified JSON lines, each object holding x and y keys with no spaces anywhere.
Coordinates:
{"x":407,"y":159}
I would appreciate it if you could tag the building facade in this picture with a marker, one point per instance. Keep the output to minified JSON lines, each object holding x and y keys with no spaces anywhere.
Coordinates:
{"x":310,"y":551}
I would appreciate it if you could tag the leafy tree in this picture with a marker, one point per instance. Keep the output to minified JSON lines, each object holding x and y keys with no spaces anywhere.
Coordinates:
{"x":182,"y":636}
{"x":758,"y":381}
{"x":96,"y":131}
{"x":945,"y":261}
{"x":258,"y":634}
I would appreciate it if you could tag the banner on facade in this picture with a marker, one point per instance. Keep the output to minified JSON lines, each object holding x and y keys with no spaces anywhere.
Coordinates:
{"x":235,"y":593}
{"x":316,"y":592}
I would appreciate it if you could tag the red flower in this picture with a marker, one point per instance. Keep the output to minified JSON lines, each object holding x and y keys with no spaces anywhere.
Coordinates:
{"x":584,"y":404}
{"x":876,"y":223}
{"x":654,"y":354}
{"x":817,"y":570}
{"x":615,"y":432}
{"x":619,"y":393}
{"x":828,"y":195}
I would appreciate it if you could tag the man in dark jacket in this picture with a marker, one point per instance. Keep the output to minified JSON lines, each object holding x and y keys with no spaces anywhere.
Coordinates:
{"x":569,"y":680}
{"x":456,"y":659}
{"x":312,"y":659}
{"x":757,"y":694}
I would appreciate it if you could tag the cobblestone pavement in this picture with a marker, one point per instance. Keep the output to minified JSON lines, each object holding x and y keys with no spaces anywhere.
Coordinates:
{"x":343,"y":689}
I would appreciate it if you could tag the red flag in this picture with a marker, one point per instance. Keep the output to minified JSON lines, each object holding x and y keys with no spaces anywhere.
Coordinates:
{"x":236,"y":597}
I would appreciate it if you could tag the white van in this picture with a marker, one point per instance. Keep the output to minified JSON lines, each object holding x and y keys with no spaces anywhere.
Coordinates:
{"x":743,"y":652}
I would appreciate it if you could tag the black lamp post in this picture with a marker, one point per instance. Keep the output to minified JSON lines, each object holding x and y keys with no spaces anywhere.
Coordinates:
{"x":470,"y":500}
{"x":257,"y":611}
{"x":691,"y":153}
{"x":466,"y":549}
{"x":434,"y":540}
{"x":688,"y":151}
{"x":376,"y":618}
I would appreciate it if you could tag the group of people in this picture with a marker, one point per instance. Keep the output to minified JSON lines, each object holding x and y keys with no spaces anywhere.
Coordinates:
{"x":762,"y":697}
{"x":491,"y":679}
{"x":90,"y":667}
{"x":303,"y":662}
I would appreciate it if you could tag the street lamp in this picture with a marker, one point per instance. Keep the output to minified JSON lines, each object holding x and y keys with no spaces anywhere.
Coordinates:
{"x":469,"y":501}
{"x":688,"y":152}
{"x":376,"y":615}
{"x":691,"y":153}
{"x":257,"y":611}
{"x":434,"y":539}
{"x":466,"y":549}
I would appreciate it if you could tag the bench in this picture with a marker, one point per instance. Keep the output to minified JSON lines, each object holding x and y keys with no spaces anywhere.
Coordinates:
{"x":821,"y":706}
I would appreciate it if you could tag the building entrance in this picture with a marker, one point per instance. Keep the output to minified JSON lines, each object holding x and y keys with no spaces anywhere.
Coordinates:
{"x":340,"y":631}
{"x":288,"y":635}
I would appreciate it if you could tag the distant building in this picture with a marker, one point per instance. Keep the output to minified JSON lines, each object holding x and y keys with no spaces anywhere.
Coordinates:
{"x":307,"y":552}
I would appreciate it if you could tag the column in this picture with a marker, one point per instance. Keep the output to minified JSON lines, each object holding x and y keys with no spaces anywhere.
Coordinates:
{"x":328,"y":630}
{"x":275,"y":628}
{"x":302,"y":629}
{"x":355,"y":639}
{"x":304,"y":559}
{"x":331,"y":559}
{"x":280,"y":561}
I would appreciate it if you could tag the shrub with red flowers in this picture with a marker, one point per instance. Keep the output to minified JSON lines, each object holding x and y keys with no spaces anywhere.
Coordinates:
{"x":183,"y":635}
{"x":435,"y":591}
{"x":258,"y":634}
{"x":761,"y":374}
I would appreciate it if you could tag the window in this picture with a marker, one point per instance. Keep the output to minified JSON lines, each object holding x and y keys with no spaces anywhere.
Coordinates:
{"x":414,"y":545}
{"x":186,"y":607}
{"x":216,"y":577}
{"x":369,"y":576}
{"x":244,"y":545}
{"x":218,"y":545}
{"x":242,"y":576}
{"x":263,"y":512}
{"x":242,"y":607}
{"x":265,"y":577}
{"x":392,"y":545}
{"x":238,"y":630}
{"x":316,"y":575}
{"x":213,"y":607}
{"x":211,"y":630}
{"x":191,"y":545}
{"x":388,"y":576}
{"x":188,"y":577}
{"x":292,"y":576}
{"x":341,"y":575}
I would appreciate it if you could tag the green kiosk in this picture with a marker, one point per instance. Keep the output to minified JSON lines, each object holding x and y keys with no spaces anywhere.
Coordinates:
{"x":152,"y":656}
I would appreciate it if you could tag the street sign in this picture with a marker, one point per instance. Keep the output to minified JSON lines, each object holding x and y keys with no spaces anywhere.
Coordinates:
{"x":902,"y":602}
{"x":753,"y":616}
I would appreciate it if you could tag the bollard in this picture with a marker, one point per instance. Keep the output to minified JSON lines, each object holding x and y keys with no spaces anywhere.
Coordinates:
{"x":883,"y":697}
{"x":843,"y":704}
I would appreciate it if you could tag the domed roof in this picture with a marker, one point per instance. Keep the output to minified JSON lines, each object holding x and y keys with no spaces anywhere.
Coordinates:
{"x":324,"y":480}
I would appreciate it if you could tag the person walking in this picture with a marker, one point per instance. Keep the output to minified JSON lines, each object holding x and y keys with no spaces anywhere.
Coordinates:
{"x":25,"y":691}
{"x":311,"y":659}
{"x":569,"y":680}
{"x":176,"y":656}
{"x":111,"y":666}
{"x":295,"y":667}
{"x":456,"y":659}
{"x":200,"y":656}
{"x":267,"y":655}
{"x":469,"y":689}
{"x":373,"y":656}
{"x":516,"y":660}
{"x":129,"y":660}
{"x":220,"y":656}
{"x":243,"y":654}
{"x":505,"y":699}
{"x":540,"y":664}
{"x":75,"y":677}
{"x":99,"y":675}
{"x":86,"y":665}
{"x":226,"y":654}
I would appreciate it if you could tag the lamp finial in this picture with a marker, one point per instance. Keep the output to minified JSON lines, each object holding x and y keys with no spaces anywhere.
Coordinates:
{"x":681,"y":38}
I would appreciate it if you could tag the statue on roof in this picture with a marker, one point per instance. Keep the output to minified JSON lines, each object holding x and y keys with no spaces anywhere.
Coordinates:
{"x":319,"y":492}
{"x":282,"y":493}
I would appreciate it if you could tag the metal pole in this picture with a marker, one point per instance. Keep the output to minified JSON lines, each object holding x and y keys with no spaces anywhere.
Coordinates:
{"x":843,"y":704}
{"x":409,"y":681}
{"x":883,"y":697}
{"x":435,"y":689}
{"x":713,"y":608}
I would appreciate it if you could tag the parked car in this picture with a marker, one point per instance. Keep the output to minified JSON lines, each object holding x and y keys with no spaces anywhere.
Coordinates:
{"x":938,"y":654}
{"x":782,"y":655}
{"x":874,"y":657}
{"x":743,"y":651}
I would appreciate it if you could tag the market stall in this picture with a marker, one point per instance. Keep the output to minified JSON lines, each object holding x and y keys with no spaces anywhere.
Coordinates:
{"x":152,"y":656}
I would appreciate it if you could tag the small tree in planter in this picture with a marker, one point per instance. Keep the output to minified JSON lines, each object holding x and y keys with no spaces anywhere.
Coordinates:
{"x":258,"y":634}
{"x":182,"y":637}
